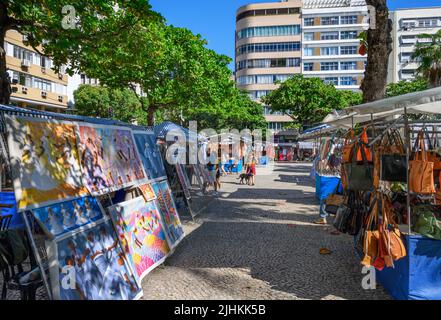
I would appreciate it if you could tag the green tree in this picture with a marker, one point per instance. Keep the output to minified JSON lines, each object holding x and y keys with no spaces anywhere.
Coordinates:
{"x":67,"y":35}
{"x":308,"y":100}
{"x":428,"y":53}
{"x":404,"y":87}
{"x":171,"y":70}
{"x":102,"y":102}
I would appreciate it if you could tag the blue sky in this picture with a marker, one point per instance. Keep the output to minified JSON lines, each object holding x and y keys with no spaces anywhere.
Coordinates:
{"x":215,"y":19}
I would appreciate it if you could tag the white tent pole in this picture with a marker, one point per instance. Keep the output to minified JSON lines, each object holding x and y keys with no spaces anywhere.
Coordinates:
{"x":408,"y":146}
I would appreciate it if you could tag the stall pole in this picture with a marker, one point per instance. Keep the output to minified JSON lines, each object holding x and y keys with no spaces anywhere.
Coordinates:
{"x":408,"y":146}
{"x":37,"y":255}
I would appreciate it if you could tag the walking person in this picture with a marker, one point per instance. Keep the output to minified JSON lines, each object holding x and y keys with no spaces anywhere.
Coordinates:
{"x":214,"y":169}
{"x":251,"y":170}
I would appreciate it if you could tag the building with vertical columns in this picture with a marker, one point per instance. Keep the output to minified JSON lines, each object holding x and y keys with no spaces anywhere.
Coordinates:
{"x":407,"y":25}
{"x":34,"y":84}
{"x":330,"y":44}
{"x":268,"y":49}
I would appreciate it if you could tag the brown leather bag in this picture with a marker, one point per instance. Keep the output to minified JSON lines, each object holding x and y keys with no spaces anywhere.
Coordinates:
{"x":348,"y":147}
{"x":392,"y":246}
{"x":364,"y":142}
{"x":421,"y":178}
{"x":371,"y":237}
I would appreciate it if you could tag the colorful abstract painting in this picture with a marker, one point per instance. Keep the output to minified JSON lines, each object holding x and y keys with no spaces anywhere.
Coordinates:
{"x":44,"y":161}
{"x":140,"y":231}
{"x":147,"y":191}
{"x":108,"y":157}
{"x":169,"y":213}
{"x":90,"y":265}
{"x":60,"y":218}
{"x":150,"y":155}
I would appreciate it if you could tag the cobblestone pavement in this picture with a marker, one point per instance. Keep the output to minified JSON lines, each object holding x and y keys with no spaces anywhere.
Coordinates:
{"x":259,"y":243}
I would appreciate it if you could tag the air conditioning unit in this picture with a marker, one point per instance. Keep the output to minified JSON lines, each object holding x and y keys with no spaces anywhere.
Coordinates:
{"x":14,"y":89}
{"x":60,"y":76}
{"x":14,"y":81}
{"x":25,"y":63}
{"x":60,"y":98}
{"x":43,"y":70}
{"x":44,"y":94}
{"x":25,"y":37}
{"x":24,"y":90}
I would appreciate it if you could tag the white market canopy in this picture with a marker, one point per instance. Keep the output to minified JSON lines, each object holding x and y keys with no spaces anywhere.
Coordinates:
{"x":424,"y":102}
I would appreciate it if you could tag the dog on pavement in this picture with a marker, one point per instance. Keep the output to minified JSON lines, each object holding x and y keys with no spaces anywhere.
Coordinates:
{"x":245,"y":178}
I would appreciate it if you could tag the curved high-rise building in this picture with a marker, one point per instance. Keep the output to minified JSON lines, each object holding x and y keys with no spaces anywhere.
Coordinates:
{"x":268,"y":49}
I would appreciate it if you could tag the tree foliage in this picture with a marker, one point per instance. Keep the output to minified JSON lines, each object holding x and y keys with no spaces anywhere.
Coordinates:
{"x":309,"y":100}
{"x":404,"y":87}
{"x":48,"y":28}
{"x":428,"y":53}
{"x":103,"y":102}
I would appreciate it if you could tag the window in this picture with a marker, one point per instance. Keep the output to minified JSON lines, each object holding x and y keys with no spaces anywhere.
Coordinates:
{"x":329,"y":51}
{"x":275,"y":125}
{"x":346,"y":35}
{"x":407,"y":72}
{"x":328,"y":66}
{"x":428,"y":23}
{"x":405,"y":57}
{"x":309,"y":36}
{"x":308,"y":66}
{"x":267,"y":12}
{"x":269,"y":31}
{"x":349,"y":20}
{"x":348,"y":50}
{"x":308,"y":52}
{"x":293,"y":62}
{"x":328,"y":21}
{"x":269,"y":47}
{"x":329,"y":35}
{"x":265,"y":79}
{"x":348,"y":81}
{"x":408,"y":24}
{"x":331,"y":80}
{"x":348,"y":65}
{"x":308,"y":22}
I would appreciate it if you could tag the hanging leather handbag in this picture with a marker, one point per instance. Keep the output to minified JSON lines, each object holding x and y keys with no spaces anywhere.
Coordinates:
{"x":364,"y":146}
{"x":393,"y":161}
{"x":348,"y":147}
{"x":341,"y":218}
{"x":432,"y":155}
{"x":421,"y":178}
{"x":359,"y":176}
{"x":371,"y":236}
{"x":393,"y":247}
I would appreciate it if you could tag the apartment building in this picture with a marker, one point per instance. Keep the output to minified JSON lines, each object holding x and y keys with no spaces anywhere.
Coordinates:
{"x":268,"y":49}
{"x":330,"y":44}
{"x":34,"y":83}
{"x":407,"y":25}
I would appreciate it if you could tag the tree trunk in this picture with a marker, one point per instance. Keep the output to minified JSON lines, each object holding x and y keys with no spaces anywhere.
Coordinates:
{"x":5,"y":86}
{"x":379,"y":48}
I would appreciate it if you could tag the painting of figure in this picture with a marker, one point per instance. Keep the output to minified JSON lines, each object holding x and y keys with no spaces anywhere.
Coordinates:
{"x":44,"y":161}
{"x":60,"y":218}
{"x":91,"y":265}
{"x":150,"y":155}
{"x":109,"y":158}
{"x":140,"y":230}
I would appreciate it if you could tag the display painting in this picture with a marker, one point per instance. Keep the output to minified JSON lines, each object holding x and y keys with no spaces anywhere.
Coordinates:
{"x":149,"y":154}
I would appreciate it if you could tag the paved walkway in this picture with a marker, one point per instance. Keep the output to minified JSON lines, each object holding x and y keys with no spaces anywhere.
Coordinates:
{"x":259,"y":243}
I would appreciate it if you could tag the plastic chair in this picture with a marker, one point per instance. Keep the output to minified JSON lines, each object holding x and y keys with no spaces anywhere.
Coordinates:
{"x":5,"y":222}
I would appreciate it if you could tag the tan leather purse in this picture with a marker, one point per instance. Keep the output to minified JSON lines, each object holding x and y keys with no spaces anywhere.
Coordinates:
{"x":421,"y":179}
{"x":371,"y":237}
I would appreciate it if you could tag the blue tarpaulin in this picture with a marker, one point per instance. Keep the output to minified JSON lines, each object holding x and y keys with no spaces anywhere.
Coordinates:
{"x":325,"y":185}
{"x":9,"y":206}
{"x":418,"y":275}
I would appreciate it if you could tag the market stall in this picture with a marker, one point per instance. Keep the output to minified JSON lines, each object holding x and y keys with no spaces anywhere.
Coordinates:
{"x":94,"y":199}
{"x":391,"y":175}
